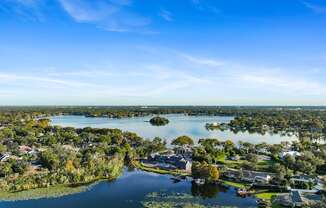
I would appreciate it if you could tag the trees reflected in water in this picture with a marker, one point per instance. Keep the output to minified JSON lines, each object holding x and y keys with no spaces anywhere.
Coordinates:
{"x":207,"y":190}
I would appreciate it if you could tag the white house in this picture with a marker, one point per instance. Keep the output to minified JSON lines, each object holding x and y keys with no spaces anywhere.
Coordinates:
{"x":291,"y":153}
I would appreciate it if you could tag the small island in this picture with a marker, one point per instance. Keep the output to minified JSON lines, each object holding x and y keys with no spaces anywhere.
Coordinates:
{"x":159,"y":121}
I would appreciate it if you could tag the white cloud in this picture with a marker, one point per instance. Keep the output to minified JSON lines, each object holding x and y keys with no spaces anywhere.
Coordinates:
{"x":315,"y":8}
{"x":150,"y":80}
{"x":203,"y":61}
{"x":111,"y":15}
{"x":15,"y":78}
{"x":202,"y":5}
{"x":27,"y":9}
{"x":166,"y":15}
{"x":283,"y":84}
{"x":259,"y":78}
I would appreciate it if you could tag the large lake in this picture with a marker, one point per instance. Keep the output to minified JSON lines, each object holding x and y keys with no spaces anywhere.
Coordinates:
{"x":193,"y":126}
{"x":135,"y":187}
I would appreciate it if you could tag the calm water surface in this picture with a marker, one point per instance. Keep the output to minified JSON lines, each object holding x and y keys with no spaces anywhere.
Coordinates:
{"x":134,"y":187}
{"x":193,"y":126}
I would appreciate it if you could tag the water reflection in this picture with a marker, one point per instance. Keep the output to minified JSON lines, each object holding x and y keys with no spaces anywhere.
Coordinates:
{"x":207,"y":191}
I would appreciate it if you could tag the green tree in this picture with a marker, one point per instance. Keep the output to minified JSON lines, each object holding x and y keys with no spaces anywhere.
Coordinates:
{"x":252,"y":158}
{"x":214,"y":173}
{"x":50,"y":159}
{"x":280,"y":171}
{"x":5,"y":169}
{"x":3,"y":148}
{"x":182,"y":140}
{"x":159,"y":121}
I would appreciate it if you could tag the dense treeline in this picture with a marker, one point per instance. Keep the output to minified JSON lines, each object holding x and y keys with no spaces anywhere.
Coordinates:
{"x":297,"y":122}
{"x":129,"y":111}
{"x":284,"y":120}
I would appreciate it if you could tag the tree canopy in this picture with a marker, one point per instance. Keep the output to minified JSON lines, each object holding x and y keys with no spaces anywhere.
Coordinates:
{"x":159,"y":121}
{"x":182,"y":140}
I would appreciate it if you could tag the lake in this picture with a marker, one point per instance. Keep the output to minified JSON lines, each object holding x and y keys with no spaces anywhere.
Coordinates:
{"x":135,"y":187}
{"x":193,"y":126}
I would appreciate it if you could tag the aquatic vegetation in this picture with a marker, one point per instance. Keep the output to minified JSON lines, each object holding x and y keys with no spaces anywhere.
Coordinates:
{"x":50,"y":192}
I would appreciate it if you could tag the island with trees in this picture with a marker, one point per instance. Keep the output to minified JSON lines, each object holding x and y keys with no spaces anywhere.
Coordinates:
{"x":159,"y":121}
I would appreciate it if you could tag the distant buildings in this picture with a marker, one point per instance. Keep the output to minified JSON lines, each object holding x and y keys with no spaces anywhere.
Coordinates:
{"x":291,"y":153}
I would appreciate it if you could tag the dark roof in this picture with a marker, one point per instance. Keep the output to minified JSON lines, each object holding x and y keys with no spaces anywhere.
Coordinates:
{"x":296,"y":197}
{"x":175,"y":160}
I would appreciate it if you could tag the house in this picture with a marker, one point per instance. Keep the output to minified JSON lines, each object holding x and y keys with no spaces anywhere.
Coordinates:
{"x":297,"y":200}
{"x":26,"y":150}
{"x":303,"y":178}
{"x":302,"y":198}
{"x":232,"y":173}
{"x":304,"y":182}
{"x":291,"y":153}
{"x":177,"y":161}
{"x":4,"y":157}
{"x":234,"y":158}
{"x":264,"y":157}
{"x":249,"y":176}
{"x":256,"y":177}
{"x":262,"y":180}
{"x":184,"y":164}
{"x":264,"y":151}
{"x":184,"y":151}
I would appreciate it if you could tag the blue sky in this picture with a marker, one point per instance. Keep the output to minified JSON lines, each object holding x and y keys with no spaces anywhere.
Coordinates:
{"x":162,"y":52}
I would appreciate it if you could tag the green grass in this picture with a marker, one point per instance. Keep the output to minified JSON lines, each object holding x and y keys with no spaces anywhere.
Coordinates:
{"x":234,"y":184}
{"x":277,"y":206}
{"x":143,"y":167}
{"x":50,"y":192}
{"x":266,"y":195}
{"x":233,"y":164}
{"x":262,"y":165}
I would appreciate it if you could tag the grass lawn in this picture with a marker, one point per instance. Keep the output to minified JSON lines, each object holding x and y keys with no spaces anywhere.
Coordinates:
{"x":262,"y":165}
{"x":234,"y":184}
{"x":233,"y":164}
{"x":266,"y":195}
{"x":157,"y":170}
